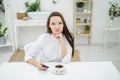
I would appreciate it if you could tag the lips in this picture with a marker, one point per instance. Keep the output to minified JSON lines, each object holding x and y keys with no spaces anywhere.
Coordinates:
{"x":57,"y":30}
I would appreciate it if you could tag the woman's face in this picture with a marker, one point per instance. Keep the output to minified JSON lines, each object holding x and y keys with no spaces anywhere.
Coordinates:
{"x":56,"y":25}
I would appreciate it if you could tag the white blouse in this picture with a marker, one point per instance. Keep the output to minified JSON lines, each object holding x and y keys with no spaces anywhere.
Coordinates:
{"x":47,"y":48}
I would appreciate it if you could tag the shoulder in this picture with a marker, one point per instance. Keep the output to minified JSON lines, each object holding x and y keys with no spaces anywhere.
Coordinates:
{"x":43,"y":36}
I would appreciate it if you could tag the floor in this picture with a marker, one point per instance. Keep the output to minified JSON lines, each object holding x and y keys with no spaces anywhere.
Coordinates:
{"x":5,"y":54}
{"x":99,"y":53}
{"x":87,"y":53}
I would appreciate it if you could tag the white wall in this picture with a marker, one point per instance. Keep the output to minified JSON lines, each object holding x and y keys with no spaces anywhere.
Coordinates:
{"x":2,"y":17}
{"x":63,"y":6}
{"x":101,"y":19}
{"x":100,"y":14}
{"x":66,"y":10}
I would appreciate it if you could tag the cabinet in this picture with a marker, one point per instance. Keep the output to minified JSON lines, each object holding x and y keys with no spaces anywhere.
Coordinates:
{"x":82,"y":19}
{"x":18,"y":24}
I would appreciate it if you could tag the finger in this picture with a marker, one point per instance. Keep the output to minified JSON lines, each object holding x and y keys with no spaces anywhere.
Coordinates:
{"x":43,"y":68}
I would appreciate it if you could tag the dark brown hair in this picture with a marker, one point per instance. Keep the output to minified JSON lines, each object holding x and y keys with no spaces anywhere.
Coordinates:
{"x":69,"y":36}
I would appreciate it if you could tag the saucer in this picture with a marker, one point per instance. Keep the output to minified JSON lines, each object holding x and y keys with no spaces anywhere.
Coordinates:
{"x":54,"y":72}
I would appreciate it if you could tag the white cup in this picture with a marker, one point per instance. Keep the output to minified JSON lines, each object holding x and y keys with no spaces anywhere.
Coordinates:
{"x":59,"y":69}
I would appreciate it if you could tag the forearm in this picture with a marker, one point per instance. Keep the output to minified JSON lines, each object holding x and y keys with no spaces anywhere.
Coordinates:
{"x":33,"y":62}
{"x":63,"y":48}
{"x":36,"y":63}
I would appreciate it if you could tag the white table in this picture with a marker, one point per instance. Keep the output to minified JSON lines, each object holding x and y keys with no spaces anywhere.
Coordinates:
{"x":74,"y":71}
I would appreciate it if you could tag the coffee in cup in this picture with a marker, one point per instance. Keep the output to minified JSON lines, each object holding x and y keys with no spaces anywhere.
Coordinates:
{"x":59,"y":66}
{"x":59,"y":69}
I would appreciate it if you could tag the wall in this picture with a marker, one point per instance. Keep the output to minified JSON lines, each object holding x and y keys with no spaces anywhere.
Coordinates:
{"x":100,"y":14}
{"x":67,"y":11}
{"x":2,"y":14}
{"x":101,"y":20}
{"x":2,"y":17}
{"x":63,"y":6}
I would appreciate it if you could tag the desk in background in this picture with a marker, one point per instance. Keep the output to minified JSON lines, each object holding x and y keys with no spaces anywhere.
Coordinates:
{"x":25,"y":24}
{"x":111,"y":30}
{"x":74,"y":71}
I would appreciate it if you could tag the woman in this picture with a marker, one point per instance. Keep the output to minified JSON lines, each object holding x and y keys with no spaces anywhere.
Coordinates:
{"x":55,"y":45}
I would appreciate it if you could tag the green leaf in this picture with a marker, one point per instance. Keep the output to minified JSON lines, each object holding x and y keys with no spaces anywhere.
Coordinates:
{"x":35,"y":6}
{"x":2,"y":31}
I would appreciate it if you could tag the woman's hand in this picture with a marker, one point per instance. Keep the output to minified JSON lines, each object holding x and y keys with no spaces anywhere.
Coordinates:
{"x":40,"y":67}
{"x":37,"y":64}
{"x":58,"y":36}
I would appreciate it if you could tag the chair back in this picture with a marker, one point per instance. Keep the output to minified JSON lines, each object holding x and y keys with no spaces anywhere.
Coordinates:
{"x":28,"y":46}
{"x":76,"y":56}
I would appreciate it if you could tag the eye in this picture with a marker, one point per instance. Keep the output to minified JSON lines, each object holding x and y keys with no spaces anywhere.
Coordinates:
{"x":60,"y":23}
{"x":53,"y":23}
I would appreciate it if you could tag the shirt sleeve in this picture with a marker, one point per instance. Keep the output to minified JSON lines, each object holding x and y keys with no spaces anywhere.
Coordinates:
{"x":34,"y":49}
{"x":67,"y":58}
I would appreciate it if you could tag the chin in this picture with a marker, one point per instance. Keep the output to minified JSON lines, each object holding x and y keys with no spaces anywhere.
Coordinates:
{"x":57,"y":33}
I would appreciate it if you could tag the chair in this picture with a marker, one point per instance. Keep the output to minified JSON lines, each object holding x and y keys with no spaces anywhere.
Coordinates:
{"x":76,"y":56}
{"x":27,"y":46}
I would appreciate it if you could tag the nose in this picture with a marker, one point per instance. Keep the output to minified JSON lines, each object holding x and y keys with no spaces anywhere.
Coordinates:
{"x":56,"y":26}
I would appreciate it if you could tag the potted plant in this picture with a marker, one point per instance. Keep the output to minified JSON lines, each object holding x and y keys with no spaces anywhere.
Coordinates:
{"x":87,"y":29}
{"x":78,"y":20}
{"x":32,"y":7}
{"x":2,"y":34}
{"x":80,"y":6}
{"x":33,"y":11}
{"x":114,"y":12}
